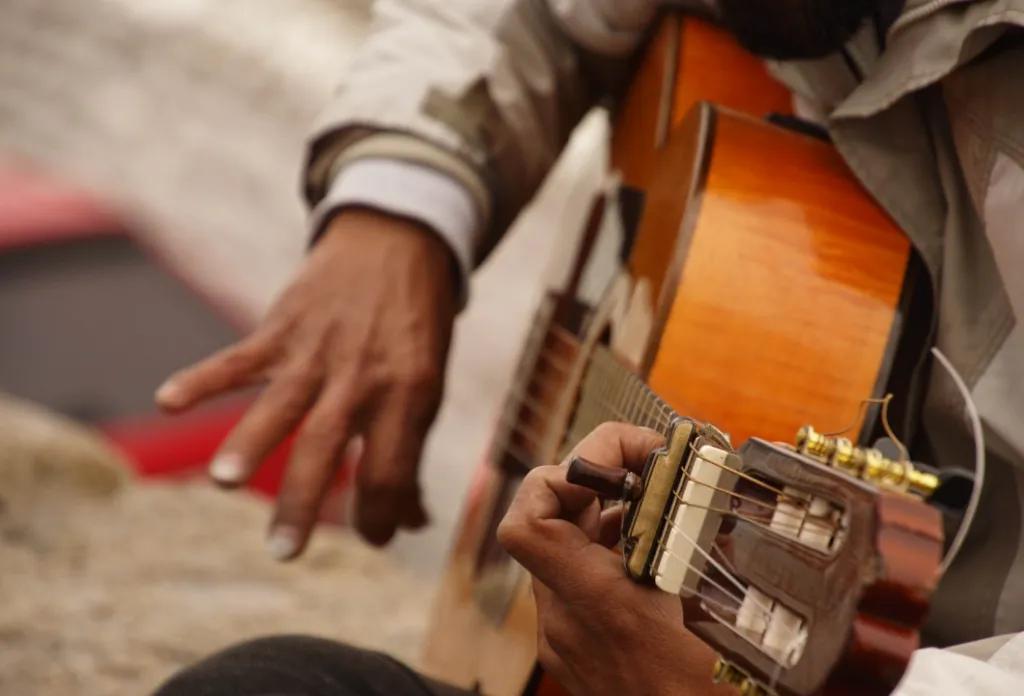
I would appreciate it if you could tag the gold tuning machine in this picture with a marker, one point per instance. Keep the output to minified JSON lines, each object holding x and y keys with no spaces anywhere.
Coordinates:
{"x":864,"y":463}
{"x":726,"y":673}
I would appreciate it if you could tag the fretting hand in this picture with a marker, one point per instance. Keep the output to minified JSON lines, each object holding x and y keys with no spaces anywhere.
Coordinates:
{"x":600,"y":633}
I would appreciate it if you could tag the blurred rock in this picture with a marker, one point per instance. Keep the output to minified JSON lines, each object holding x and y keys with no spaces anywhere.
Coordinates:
{"x":45,"y":456}
{"x":107,"y":594}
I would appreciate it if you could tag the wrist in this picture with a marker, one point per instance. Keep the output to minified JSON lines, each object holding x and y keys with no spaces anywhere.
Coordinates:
{"x":439,"y":204}
{"x":399,"y":242}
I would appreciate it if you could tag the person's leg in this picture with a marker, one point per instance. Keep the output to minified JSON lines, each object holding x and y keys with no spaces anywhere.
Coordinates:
{"x":300,"y":666}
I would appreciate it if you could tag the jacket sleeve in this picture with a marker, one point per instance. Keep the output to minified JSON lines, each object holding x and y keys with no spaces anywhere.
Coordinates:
{"x":473,"y":101}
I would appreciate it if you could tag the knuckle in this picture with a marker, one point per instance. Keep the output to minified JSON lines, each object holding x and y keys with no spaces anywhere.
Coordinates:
{"x":294,"y":400}
{"x":319,"y":441}
{"x":242,"y":358}
{"x":514,"y":534}
{"x":418,"y":375}
{"x":301,"y":375}
{"x":508,"y":534}
{"x":387,"y":481}
{"x":607,"y":430}
{"x":557,"y":641}
{"x":538,"y":479}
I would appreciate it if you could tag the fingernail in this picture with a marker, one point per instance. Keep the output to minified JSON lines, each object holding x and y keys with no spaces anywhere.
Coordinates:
{"x":282,"y":543}
{"x":227,"y":468}
{"x":353,"y":450}
{"x":169,"y":393}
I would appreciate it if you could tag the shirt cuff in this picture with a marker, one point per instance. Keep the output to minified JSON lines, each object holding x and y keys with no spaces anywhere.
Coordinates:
{"x":411,"y":191}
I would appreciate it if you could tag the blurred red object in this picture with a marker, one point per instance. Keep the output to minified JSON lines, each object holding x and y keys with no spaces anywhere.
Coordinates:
{"x":59,"y":245}
{"x":34,"y":209}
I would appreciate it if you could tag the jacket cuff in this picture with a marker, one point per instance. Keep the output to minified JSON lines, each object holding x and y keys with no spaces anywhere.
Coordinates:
{"x":414,"y":192}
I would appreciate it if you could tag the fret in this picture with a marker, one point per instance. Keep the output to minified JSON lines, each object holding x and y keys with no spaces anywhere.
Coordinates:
{"x":620,"y":407}
{"x":610,"y":392}
{"x":631,"y":401}
{"x":624,"y":385}
{"x":645,"y":415}
{"x":638,"y":401}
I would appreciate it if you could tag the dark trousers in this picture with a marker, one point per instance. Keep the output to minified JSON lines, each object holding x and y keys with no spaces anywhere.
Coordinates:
{"x":299,"y":666}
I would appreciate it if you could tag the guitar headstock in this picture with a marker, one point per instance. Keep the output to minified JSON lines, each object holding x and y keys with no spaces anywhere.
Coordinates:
{"x":808,"y":568}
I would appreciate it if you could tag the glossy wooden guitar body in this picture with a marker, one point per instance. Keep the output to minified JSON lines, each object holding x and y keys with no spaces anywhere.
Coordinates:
{"x":687,"y":61}
{"x":770,"y":283}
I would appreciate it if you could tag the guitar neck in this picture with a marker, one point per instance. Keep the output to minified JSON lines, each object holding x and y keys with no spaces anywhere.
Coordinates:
{"x":609,"y":391}
{"x":612,"y":392}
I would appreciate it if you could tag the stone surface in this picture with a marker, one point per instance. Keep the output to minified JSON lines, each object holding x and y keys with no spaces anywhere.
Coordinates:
{"x":43,"y":455}
{"x":108,"y":595}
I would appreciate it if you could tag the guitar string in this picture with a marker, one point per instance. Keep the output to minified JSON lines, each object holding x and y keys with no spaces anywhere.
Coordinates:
{"x":532,"y":439}
{"x":764,"y":610}
{"x":535,"y":440}
{"x":524,"y":459}
{"x":662,"y":545}
{"x":657,"y":415}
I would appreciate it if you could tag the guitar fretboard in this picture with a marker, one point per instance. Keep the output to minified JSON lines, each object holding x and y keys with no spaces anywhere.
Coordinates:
{"x":611,"y":392}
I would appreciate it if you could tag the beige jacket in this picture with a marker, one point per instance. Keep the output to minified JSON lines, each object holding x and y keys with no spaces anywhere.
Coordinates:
{"x":454,"y":111}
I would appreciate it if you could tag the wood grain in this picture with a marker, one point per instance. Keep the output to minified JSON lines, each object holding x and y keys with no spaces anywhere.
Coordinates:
{"x":688,"y":60}
{"x":785,"y":303}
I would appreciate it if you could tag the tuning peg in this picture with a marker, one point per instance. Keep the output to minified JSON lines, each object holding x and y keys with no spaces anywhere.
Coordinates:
{"x":725,"y":673}
{"x":752,"y":688}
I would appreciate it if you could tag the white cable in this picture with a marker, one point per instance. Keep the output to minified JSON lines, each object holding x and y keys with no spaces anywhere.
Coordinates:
{"x":979,"y":462}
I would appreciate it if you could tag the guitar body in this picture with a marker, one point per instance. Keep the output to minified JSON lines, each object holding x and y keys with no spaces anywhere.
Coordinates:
{"x":761,"y":271}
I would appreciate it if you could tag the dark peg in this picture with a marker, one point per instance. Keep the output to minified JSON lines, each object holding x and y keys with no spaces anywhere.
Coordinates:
{"x":608,"y":482}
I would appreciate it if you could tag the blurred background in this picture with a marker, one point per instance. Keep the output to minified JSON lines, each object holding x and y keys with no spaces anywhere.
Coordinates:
{"x":149,"y":213}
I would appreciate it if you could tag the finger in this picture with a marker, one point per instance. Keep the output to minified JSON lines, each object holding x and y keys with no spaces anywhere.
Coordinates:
{"x":533,"y":530}
{"x":619,"y":445}
{"x":539,"y":530}
{"x":270,"y":419}
{"x":545,"y":493}
{"x":232,"y":368}
{"x":387,"y":490}
{"x":318,"y":453}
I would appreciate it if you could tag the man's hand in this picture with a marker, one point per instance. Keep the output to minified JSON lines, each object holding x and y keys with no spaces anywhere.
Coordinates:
{"x":356,"y":346}
{"x":599,"y":632}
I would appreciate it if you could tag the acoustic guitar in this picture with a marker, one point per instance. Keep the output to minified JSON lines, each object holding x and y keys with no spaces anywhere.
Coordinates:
{"x":760,"y":292}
